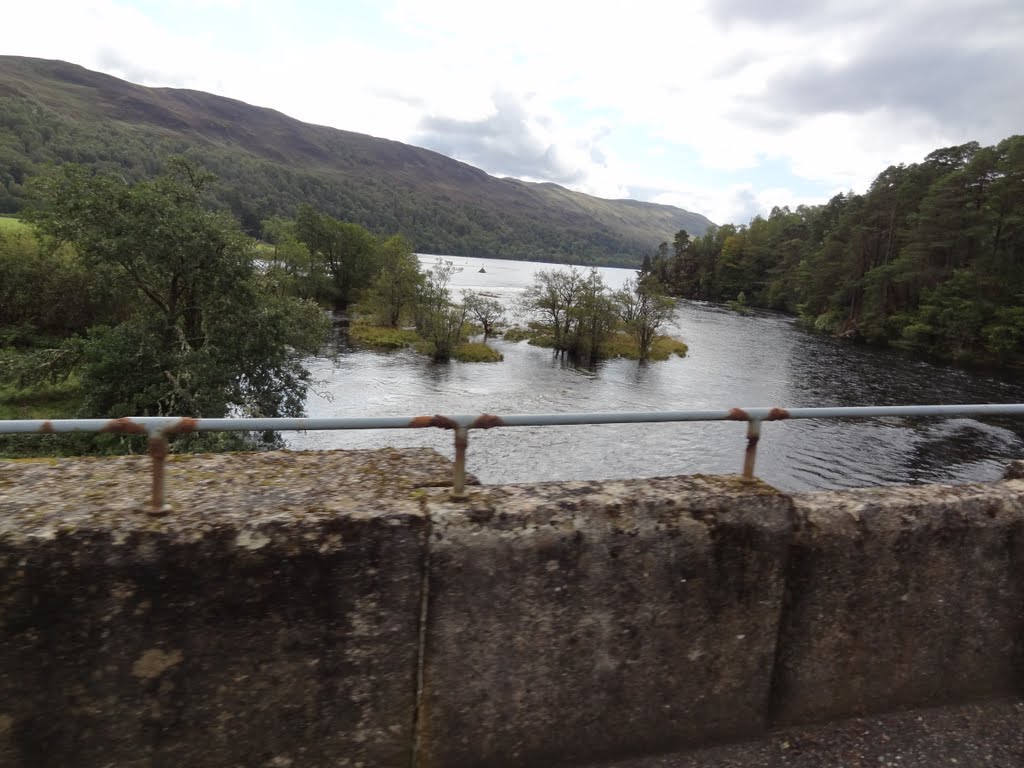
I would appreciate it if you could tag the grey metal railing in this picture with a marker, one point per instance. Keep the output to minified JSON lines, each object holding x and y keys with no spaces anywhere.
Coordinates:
{"x":159,"y":428}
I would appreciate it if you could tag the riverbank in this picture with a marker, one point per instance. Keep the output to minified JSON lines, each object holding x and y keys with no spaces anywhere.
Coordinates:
{"x":967,"y":359}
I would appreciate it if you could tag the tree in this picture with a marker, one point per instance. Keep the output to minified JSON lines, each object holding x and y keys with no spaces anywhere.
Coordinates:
{"x":485,"y":310}
{"x":347,"y":251}
{"x":48,"y":294}
{"x":438,"y":319}
{"x":643,"y":308}
{"x":398,"y":282}
{"x":575,"y":308}
{"x":552,"y":296}
{"x":291,"y":264}
{"x":210,"y":335}
{"x":592,"y":318}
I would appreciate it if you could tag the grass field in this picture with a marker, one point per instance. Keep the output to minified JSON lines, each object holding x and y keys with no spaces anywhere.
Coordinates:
{"x":47,"y":401}
{"x":11,"y":224}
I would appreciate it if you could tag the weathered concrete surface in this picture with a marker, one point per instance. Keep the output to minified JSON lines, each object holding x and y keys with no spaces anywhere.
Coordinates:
{"x":337,"y":609}
{"x":270,"y":620}
{"x":901,"y":597}
{"x":582,"y":620}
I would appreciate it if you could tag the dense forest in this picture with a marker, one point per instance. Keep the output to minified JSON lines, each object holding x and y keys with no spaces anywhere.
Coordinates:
{"x":268,"y":164}
{"x":930,"y":258}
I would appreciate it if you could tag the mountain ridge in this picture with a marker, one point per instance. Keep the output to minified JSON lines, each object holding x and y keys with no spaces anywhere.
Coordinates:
{"x":268,"y":163}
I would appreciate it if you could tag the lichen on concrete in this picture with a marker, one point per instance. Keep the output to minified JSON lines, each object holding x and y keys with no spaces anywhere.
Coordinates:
{"x":246,"y":490}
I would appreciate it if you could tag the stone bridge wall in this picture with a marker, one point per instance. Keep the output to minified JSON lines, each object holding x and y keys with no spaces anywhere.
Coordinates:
{"x":337,"y":609}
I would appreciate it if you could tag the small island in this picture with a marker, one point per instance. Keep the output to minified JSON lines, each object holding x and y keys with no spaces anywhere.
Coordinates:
{"x":407,"y":307}
{"x":619,"y":344}
{"x":570,"y":311}
{"x":575,"y":313}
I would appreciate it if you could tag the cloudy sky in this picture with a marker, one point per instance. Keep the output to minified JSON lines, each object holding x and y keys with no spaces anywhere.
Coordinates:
{"x":725,"y":107}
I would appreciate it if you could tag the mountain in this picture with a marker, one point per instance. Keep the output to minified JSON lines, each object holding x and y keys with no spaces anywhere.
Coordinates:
{"x":268,"y":163}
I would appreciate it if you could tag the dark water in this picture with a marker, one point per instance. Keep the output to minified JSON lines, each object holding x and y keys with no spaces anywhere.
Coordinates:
{"x":734,"y":360}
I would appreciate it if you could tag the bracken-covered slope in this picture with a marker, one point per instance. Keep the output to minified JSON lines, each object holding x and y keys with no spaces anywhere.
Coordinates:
{"x":268,"y":163}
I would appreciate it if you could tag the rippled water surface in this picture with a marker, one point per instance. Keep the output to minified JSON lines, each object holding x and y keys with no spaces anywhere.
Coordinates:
{"x":734,"y":360}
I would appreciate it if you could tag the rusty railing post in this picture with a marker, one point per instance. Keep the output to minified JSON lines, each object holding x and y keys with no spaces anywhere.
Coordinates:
{"x":459,"y":479}
{"x":753,"y":436}
{"x":158,"y":450}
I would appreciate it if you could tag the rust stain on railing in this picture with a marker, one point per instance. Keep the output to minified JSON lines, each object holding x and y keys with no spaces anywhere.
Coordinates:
{"x":124,"y":426}
{"x":459,"y":476}
{"x":436,"y":420}
{"x":185,"y":425}
{"x":750,"y":455}
{"x":158,"y":450}
{"x":754,"y":434}
{"x":484,"y":421}
{"x":487,"y":421}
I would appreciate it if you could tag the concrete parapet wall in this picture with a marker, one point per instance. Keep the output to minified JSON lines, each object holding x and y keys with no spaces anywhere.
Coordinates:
{"x":337,"y":609}
{"x":901,"y":597}
{"x":272,"y":620}
{"x":581,"y":620}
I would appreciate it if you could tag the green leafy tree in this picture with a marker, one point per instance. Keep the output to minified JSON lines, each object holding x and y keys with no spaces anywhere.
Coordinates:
{"x":347,"y":251}
{"x":592,"y":319}
{"x":644,"y":308}
{"x":927,"y":258}
{"x":47,"y":294}
{"x":487,"y":311}
{"x":398,"y":282}
{"x":552,"y":296}
{"x":290,"y":263}
{"x":210,"y":335}
{"x":439,"y":320}
{"x":575,"y":308}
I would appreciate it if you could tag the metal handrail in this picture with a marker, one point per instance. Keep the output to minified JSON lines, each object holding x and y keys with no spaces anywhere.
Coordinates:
{"x":159,"y":428}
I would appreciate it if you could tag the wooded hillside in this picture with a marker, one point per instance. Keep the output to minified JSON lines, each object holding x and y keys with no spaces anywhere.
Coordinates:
{"x":268,"y":164}
{"x":931,"y":257}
